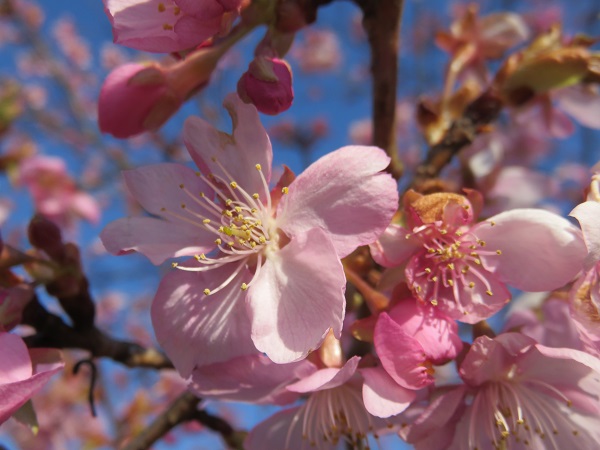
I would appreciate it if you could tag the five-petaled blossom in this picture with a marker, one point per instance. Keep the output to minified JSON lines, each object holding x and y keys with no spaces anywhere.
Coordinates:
{"x":462,"y":267}
{"x":342,"y":406}
{"x":517,"y":394}
{"x":275,"y":274}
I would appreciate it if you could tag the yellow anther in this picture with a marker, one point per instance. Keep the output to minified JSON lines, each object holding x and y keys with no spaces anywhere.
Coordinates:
{"x":492,"y":223}
{"x":176,"y":10}
{"x":471,"y":285}
{"x":206,"y":221}
{"x":174,"y":264}
{"x":218,"y":241}
{"x":466,"y":207}
{"x":443,"y":231}
{"x":459,"y":233}
{"x":231,"y":243}
{"x":258,"y":167}
{"x":255,"y":196}
{"x":206,"y":291}
{"x":167,"y":27}
{"x":228,"y":213}
{"x":430,"y":250}
{"x":252,"y":244}
{"x":451,"y":266}
{"x":451,"y":283}
{"x":181,"y":186}
{"x":434,"y":302}
{"x":427,"y":270}
{"x":407,"y":236}
{"x":262,"y":240}
{"x":490,"y":293}
{"x":473,"y":254}
{"x":163,"y":209}
{"x":244,"y":287}
{"x":213,"y":158}
{"x":238,"y":209}
{"x":233,"y":185}
{"x":221,"y":230}
{"x":228,"y":202}
{"x":285,"y":190}
{"x":477,"y":261}
{"x":498,"y":252}
{"x":202,"y":194}
{"x":481,"y":242}
{"x":161,"y":7}
{"x":434,"y":279}
{"x":253,"y":210}
{"x":418,"y":288}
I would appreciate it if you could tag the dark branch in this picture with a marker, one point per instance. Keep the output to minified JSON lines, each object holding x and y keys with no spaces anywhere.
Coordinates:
{"x":482,"y":111}
{"x":381,"y":20}
{"x":53,"y":332}
{"x":185,"y":409}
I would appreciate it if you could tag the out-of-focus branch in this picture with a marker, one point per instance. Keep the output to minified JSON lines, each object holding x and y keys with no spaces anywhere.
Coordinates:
{"x":482,"y":111}
{"x":185,"y":409}
{"x":51,"y":331}
{"x":381,"y":20}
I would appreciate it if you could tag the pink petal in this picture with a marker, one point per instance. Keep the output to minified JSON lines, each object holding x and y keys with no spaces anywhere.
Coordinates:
{"x":280,"y":431}
{"x":393,"y":248}
{"x":588,"y":215}
{"x":383,"y":397}
{"x":140,"y":24}
{"x":157,"y":239}
{"x":195,"y":329}
{"x":15,"y":364}
{"x":251,"y":378}
{"x":401,"y":355}
{"x":297,"y":297}
{"x":344,"y":193}
{"x":239,"y":153}
{"x":327,"y":378}
{"x":582,"y":103}
{"x":436,"y":332}
{"x":162,"y":189}
{"x":541,"y":251}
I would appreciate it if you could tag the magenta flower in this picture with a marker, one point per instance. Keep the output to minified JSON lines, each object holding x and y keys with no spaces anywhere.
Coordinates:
{"x":23,"y":372}
{"x":517,"y":394}
{"x":335,"y":411}
{"x":412,"y":338}
{"x":165,"y":26}
{"x":276,"y":274}
{"x":463,"y":267}
{"x":267,"y":85}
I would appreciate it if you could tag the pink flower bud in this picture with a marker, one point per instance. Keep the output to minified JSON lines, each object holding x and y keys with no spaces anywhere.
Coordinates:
{"x":268,"y":85}
{"x":135,"y":98}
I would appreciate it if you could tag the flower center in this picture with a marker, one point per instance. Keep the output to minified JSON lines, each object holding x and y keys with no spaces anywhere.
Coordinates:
{"x":451,"y":262}
{"x":170,"y":12}
{"x":244,"y":225}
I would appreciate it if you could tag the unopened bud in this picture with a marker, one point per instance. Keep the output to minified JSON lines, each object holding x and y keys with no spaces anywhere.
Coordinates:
{"x":45,"y":235}
{"x":267,"y":85}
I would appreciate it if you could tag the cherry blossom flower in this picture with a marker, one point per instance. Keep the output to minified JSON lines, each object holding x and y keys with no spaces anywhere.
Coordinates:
{"x":275,"y":274}
{"x":23,"y":372}
{"x":165,"y":26}
{"x":54,"y":192}
{"x":585,"y":293}
{"x":335,"y":411}
{"x":463,"y":268}
{"x":517,"y":394}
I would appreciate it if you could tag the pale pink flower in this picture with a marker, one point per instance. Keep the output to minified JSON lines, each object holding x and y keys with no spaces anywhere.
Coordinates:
{"x":462,"y":267}
{"x":267,"y":85}
{"x":585,"y":293}
{"x":340,"y":407}
{"x":412,"y":338}
{"x":54,"y":191}
{"x":320,"y":50}
{"x":23,"y":372}
{"x":517,"y":394}
{"x":165,"y":26}
{"x":276,"y":274}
